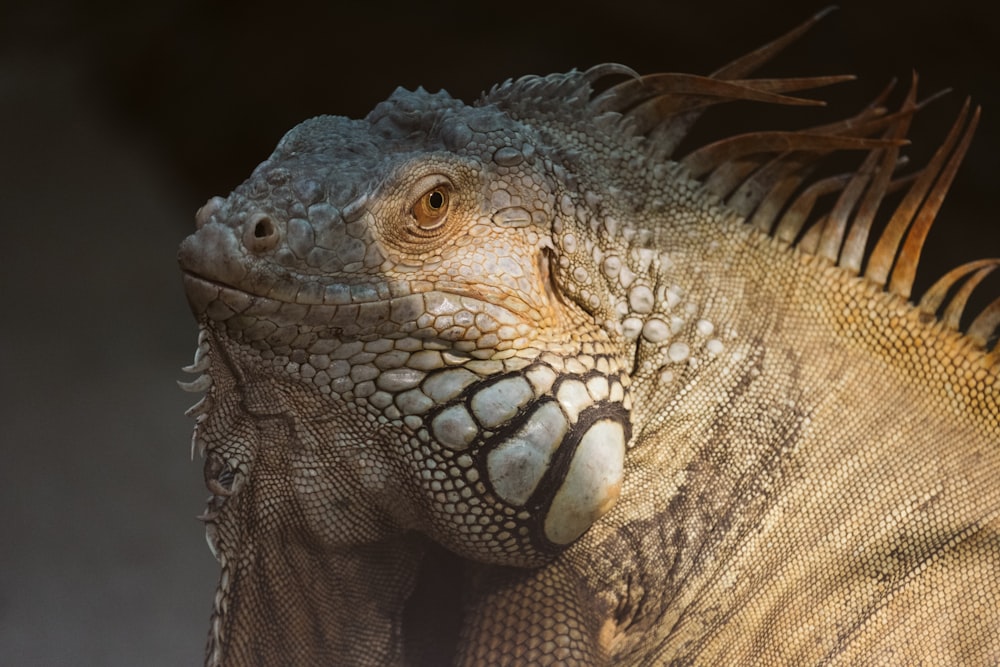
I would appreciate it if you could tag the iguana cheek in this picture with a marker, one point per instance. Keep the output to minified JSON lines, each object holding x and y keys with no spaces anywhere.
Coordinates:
{"x":543,"y":450}
{"x":516,"y":466}
{"x":592,"y":484}
{"x":500,"y":401}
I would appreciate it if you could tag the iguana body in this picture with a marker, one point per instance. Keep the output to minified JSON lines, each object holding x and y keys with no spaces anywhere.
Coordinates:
{"x":649,"y":419}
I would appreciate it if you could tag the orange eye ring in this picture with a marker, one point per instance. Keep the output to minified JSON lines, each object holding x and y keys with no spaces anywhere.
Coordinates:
{"x":431,"y":208}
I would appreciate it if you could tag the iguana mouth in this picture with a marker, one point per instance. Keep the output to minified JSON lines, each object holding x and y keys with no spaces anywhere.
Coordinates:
{"x":474,"y":327}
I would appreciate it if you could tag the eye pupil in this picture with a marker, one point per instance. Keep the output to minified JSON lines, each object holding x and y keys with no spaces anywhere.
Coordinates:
{"x":431,"y":209}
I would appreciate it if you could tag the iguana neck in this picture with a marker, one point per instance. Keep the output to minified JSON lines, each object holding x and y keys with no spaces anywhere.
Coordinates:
{"x":306,"y":578}
{"x":290,"y":603}
{"x":739,"y":402}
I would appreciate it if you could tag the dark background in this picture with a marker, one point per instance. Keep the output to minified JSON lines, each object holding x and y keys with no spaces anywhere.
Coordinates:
{"x":117,"y":120}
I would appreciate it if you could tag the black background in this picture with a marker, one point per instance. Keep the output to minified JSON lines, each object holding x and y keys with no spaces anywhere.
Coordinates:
{"x":117,"y":120}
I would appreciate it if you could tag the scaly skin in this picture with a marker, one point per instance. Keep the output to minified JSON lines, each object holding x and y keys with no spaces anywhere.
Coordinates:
{"x":647,"y":420}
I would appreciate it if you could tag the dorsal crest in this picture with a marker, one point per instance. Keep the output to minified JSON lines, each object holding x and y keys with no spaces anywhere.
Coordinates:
{"x":771,"y":179}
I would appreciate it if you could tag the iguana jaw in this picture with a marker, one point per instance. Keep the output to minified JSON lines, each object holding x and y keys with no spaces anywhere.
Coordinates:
{"x":447,"y":365}
{"x":510,"y":408}
{"x":470,"y":325}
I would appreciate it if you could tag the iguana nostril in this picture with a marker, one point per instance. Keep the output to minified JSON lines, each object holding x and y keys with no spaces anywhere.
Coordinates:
{"x":263,"y":228}
{"x":261,"y":233}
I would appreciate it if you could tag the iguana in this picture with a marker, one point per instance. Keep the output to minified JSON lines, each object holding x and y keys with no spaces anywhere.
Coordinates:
{"x":522,"y":382}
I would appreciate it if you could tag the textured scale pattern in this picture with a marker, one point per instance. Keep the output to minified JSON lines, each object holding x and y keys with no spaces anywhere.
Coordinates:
{"x":514,"y":383}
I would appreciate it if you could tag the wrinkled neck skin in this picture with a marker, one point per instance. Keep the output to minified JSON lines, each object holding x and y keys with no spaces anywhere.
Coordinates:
{"x":305,"y":606}
{"x":313,"y":571}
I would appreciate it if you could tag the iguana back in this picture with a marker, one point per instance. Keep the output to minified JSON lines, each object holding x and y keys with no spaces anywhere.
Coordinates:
{"x":518,"y":383}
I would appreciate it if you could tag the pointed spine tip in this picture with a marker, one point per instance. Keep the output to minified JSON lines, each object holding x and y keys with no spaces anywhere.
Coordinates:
{"x":199,"y":384}
{"x":826,"y":11}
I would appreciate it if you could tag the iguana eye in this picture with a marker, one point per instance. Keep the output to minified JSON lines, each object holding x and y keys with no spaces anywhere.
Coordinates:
{"x":431,"y":208}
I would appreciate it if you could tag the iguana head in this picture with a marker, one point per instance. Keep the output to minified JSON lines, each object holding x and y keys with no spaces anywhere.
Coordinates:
{"x":397,"y":289}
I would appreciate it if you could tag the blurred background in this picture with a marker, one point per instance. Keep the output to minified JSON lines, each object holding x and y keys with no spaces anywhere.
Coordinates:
{"x":117,"y":121}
